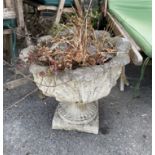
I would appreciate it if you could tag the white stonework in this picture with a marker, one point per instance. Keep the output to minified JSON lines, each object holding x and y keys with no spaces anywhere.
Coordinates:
{"x":90,"y":127}
{"x":79,"y":90}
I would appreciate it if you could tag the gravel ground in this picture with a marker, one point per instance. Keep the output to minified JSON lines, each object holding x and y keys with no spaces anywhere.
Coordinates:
{"x":125,"y":123}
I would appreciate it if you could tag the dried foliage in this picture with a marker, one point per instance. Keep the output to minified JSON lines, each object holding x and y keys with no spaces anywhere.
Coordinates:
{"x":73,"y":45}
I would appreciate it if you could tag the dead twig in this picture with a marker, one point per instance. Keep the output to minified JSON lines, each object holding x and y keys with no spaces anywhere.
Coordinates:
{"x":88,"y":9}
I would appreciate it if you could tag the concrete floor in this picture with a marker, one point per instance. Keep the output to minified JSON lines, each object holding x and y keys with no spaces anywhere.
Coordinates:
{"x":125,"y":123}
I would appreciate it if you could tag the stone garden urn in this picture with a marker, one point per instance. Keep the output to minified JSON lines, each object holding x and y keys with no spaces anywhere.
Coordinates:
{"x":79,"y":90}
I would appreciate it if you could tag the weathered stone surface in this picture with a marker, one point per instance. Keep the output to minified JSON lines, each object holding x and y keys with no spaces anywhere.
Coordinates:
{"x":91,"y":127}
{"x":83,"y":85}
{"x":78,"y":113}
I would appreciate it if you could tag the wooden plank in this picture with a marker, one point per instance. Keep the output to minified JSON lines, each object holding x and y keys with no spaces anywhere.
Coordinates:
{"x":59,"y":11}
{"x":9,"y":13}
{"x":44,"y":7}
{"x":7,"y":31}
{"x":20,"y":13}
{"x":22,"y":26}
{"x":105,"y":7}
{"x":4,"y":5}
{"x":78,"y":7}
{"x":135,"y":54}
{"x":9,"y":4}
{"x":68,"y":10}
{"x":54,"y":8}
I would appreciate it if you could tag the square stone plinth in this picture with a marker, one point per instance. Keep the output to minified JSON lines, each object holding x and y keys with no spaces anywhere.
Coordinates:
{"x":91,"y":127}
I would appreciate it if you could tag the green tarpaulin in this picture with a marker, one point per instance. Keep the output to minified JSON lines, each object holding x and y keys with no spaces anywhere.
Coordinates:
{"x":136,"y":18}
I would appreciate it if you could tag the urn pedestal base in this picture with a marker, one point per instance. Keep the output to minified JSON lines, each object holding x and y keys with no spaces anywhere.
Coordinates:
{"x":90,"y":127}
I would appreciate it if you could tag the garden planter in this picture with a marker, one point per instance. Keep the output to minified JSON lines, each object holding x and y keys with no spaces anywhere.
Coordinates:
{"x":79,"y":90}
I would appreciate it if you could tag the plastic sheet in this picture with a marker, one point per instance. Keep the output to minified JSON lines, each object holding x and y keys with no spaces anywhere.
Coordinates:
{"x":136,"y":17}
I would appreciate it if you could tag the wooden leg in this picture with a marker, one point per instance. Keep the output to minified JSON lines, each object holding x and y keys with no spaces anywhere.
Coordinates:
{"x":78,"y":7}
{"x":22,"y":22}
{"x":20,"y":13}
{"x":105,"y":8}
{"x":13,"y":45}
{"x":7,"y":47}
{"x":28,"y":39}
{"x":10,"y":50}
{"x":59,"y":11}
{"x":123,"y":79}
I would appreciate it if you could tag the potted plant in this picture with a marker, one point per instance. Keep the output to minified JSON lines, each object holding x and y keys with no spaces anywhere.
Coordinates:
{"x":78,"y":66}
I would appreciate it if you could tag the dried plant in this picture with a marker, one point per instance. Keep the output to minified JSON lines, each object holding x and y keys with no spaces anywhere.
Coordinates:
{"x":73,"y":45}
